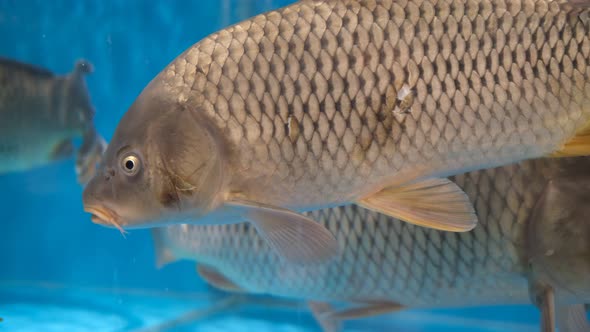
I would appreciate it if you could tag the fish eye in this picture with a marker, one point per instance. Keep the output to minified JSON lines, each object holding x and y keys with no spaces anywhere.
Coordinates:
{"x":130,"y":164}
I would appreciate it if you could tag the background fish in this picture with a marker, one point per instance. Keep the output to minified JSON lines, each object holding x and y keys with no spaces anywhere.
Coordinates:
{"x":387,"y":264}
{"x":324,"y":103}
{"x":40,"y":116}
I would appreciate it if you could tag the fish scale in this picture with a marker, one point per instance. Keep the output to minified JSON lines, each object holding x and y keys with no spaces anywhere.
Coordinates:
{"x":386,"y":259}
{"x":321,"y":98}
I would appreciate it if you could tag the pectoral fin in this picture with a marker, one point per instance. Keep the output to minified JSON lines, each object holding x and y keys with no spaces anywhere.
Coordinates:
{"x":543,"y":297}
{"x":579,"y":145}
{"x":366,"y":310}
{"x":436,"y":203}
{"x":572,"y":318}
{"x":295,"y":238}
{"x":331,"y":319}
{"x":321,"y":311}
{"x":217,"y":280}
{"x":163,"y":254}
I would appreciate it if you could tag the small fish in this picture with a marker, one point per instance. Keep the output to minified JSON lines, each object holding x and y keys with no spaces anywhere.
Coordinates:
{"x":327,"y":103}
{"x":522,"y":241}
{"x":40,"y":116}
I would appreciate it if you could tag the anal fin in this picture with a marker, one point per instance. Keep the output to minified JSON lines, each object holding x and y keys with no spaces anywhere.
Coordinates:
{"x":321,"y":311}
{"x":217,"y":280}
{"x":436,"y":203}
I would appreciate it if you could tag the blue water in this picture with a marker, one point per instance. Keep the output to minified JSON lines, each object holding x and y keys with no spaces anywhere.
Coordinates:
{"x":60,"y":272}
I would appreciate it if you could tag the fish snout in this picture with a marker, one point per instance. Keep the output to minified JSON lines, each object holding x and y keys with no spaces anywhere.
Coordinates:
{"x":99,"y":215}
{"x":93,"y":199}
{"x":104,"y":216}
{"x":96,"y":202}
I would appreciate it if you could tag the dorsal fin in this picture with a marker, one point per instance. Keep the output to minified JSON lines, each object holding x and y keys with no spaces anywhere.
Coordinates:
{"x":26,"y":68}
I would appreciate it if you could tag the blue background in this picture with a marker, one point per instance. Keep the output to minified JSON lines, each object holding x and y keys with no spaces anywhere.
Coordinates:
{"x":45,"y":234}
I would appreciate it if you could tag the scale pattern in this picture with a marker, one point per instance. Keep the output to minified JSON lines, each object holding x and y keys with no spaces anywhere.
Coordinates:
{"x":322,"y":98}
{"x":388,"y":259}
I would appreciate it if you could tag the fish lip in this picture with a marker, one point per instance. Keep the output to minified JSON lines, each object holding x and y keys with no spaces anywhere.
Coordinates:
{"x":102,"y":215}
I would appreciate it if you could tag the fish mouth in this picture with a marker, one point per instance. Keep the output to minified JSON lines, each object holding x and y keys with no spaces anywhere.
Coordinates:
{"x":106,"y":217}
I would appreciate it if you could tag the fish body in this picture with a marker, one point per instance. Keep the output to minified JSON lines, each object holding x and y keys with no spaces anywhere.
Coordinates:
{"x":310,"y":96}
{"x":40,"y":116}
{"x":326,"y":103}
{"x":384,"y":259}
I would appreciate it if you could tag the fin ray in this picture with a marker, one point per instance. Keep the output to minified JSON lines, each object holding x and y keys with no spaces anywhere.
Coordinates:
{"x":579,"y":145}
{"x":296,"y":238}
{"x":89,"y":156}
{"x":163,"y":254}
{"x":320,"y":311}
{"x":217,"y":279}
{"x":367,"y":310}
{"x":436,"y":203}
{"x":572,"y":318}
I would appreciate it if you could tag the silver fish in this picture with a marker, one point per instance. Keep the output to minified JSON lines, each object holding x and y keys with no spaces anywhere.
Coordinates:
{"x":40,"y":116}
{"x":532,"y":243}
{"x":326,"y":103}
